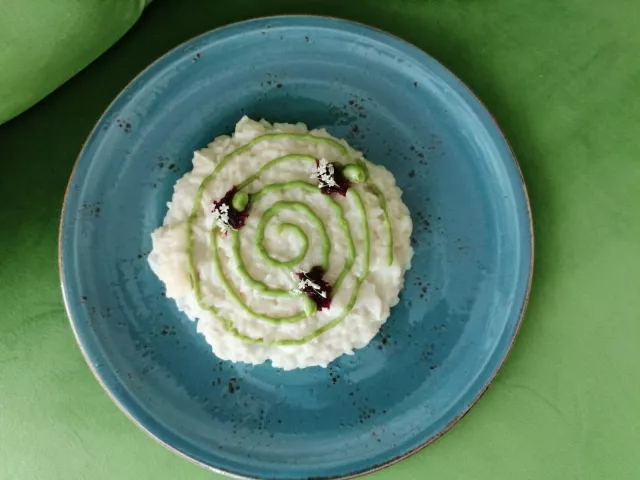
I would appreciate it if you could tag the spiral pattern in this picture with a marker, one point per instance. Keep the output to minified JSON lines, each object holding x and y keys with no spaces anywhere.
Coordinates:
{"x":268,"y":246}
{"x":300,"y":208}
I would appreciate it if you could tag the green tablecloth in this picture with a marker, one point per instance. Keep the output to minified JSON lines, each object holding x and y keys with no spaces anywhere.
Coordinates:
{"x":44,"y":42}
{"x":562,"y":78}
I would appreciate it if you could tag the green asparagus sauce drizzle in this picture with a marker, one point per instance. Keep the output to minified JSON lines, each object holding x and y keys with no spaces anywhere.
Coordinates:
{"x":387,"y":224}
{"x":308,"y":306}
{"x":301,"y":208}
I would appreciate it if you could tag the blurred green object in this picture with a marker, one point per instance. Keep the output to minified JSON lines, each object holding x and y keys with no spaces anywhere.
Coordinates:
{"x":562,"y":78}
{"x":43,"y":43}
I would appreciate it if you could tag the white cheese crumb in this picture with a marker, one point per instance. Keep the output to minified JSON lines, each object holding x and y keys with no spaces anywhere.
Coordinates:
{"x":325,"y":174}
{"x":221,"y":218}
{"x":304,"y":283}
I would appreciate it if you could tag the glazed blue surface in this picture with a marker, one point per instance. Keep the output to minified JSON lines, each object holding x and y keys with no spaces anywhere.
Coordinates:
{"x":464,"y":295}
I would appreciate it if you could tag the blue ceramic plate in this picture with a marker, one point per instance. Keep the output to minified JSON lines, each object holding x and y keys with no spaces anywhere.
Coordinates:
{"x":464,"y":296}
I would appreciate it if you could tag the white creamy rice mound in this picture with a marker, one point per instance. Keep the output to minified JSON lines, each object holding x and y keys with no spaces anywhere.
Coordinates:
{"x":240,"y":285}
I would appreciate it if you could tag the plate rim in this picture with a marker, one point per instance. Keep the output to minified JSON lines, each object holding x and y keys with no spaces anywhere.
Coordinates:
{"x":527,"y":204}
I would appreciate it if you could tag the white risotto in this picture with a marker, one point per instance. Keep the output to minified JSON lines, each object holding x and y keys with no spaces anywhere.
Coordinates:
{"x":284,"y":244}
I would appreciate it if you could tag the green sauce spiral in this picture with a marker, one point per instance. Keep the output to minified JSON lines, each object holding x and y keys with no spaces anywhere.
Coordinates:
{"x":307,"y":307}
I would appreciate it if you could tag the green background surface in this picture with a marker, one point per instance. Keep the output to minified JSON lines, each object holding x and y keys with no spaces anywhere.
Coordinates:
{"x":44,"y":42}
{"x":563,"y":80}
